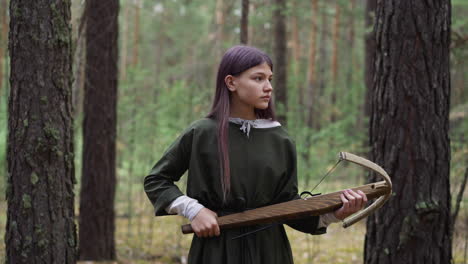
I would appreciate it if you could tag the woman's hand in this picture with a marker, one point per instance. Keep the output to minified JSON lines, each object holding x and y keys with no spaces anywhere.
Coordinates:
{"x":352,"y":202}
{"x":205,"y":223}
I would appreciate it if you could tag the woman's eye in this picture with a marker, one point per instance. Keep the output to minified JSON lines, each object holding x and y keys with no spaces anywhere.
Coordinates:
{"x":258,"y":78}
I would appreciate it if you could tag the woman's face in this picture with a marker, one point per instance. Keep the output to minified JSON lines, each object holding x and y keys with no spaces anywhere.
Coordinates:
{"x":252,"y":88}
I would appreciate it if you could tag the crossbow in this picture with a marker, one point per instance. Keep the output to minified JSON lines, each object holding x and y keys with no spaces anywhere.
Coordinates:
{"x":314,"y":205}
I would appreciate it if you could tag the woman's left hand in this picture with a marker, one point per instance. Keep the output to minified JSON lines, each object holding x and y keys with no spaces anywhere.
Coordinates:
{"x":352,"y":202}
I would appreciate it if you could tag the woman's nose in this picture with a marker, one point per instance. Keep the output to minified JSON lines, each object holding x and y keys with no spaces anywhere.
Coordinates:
{"x":268,"y":87}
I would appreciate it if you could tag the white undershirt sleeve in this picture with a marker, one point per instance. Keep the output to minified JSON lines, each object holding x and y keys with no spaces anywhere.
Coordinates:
{"x":327,"y":219}
{"x":185,"y":206}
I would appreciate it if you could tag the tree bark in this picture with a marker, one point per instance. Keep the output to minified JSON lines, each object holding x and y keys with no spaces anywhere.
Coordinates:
{"x":244,"y":34}
{"x":311,"y":79}
{"x":40,"y":198}
{"x":219,"y":26}
{"x":334,"y":62}
{"x":99,"y":131}
{"x":295,"y":47}
{"x":323,"y":58}
{"x":409,"y":132}
{"x":3,"y":38}
{"x":136,"y":35}
{"x":219,"y":36}
{"x":351,"y":69}
{"x":79,"y":71}
{"x":279,"y":52}
{"x":124,"y":48}
{"x":369,"y":52}
{"x":251,"y":28}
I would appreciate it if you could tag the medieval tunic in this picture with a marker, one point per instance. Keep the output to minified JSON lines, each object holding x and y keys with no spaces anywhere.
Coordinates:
{"x":263,"y":169}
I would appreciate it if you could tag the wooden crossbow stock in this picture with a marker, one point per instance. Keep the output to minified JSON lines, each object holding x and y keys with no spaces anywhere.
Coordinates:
{"x":315,"y":205}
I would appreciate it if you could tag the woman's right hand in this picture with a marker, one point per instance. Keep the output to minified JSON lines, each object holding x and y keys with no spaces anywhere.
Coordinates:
{"x":205,"y":223}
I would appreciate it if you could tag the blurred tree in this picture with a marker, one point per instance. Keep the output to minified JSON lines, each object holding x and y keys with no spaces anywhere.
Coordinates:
{"x":323,"y":58}
{"x":244,"y":33}
{"x":98,"y":180}
{"x":123,"y":58}
{"x":312,"y":95}
{"x":79,"y":63}
{"x":219,"y":36}
{"x":279,"y":57}
{"x":295,"y":47}
{"x":40,"y":221}
{"x":3,"y":38}
{"x":409,"y":132}
{"x":136,"y":33}
{"x":334,"y":62}
{"x":369,"y":51}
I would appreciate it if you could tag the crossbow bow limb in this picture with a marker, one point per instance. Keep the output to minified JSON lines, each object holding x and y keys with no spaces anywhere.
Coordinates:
{"x":386,"y":183}
{"x":315,"y":205}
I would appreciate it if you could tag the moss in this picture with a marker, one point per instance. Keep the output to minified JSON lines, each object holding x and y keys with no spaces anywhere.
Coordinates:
{"x":71,"y":242}
{"x":41,"y":146}
{"x":25,"y":122}
{"x":426,"y":208}
{"x":27,"y":241}
{"x":62,"y":28}
{"x":43,"y":243}
{"x":26,"y":201}
{"x":34,"y":178}
{"x":408,"y":228}
{"x":51,"y":132}
{"x":422,"y":205}
{"x":15,"y":11}
{"x":386,"y":251}
{"x":404,"y":231}
{"x":44,"y":99}
{"x":19,"y":132}
{"x":38,"y":231}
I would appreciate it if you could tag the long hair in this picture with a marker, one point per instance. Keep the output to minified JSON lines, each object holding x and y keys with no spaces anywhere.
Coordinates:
{"x":235,"y":61}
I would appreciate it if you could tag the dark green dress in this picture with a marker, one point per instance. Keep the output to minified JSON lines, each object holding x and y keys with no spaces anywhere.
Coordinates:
{"x":263,"y":172}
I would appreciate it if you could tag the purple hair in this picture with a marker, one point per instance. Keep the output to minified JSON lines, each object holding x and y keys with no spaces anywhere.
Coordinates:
{"x":235,"y":61}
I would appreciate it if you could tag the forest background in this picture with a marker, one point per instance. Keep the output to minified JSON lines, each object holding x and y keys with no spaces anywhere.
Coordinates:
{"x":168,"y":54}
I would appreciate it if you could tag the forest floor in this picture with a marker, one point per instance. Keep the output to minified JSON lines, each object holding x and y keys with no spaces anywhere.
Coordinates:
{"x":159,"y":240}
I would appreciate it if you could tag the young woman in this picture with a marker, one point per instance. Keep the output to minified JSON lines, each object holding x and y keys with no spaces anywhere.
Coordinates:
{"x":238,"y":157}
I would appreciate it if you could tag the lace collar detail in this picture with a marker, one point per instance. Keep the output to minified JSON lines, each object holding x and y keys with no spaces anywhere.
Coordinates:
{"x":246,"y":125}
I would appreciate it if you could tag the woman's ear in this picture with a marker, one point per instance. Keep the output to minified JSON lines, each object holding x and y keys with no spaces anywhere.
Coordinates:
{"x":230,"y":83}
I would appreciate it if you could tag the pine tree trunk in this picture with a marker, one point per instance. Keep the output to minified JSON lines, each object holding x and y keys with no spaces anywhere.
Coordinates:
{"x":219,"y":27}
{"x":3,"y":38}
{"x":40,"y":215}
{"x":409,"y":133}
{"x":244,"y":35}
{"x":295,"y":48}
{"x":311,"y":80}
{"x":136,"y":35}
{"x":251,"y":28}
{"x":334,"y":62}
{"x":350,"y":49}
{"x":219,"y":35}
{"x":279,"y":52}
{"x":124,"y":48}
{"x":323,"y":58}
{"x":99,"y":132}
{"x":79,"y":80}
{"x":369,"y":52}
